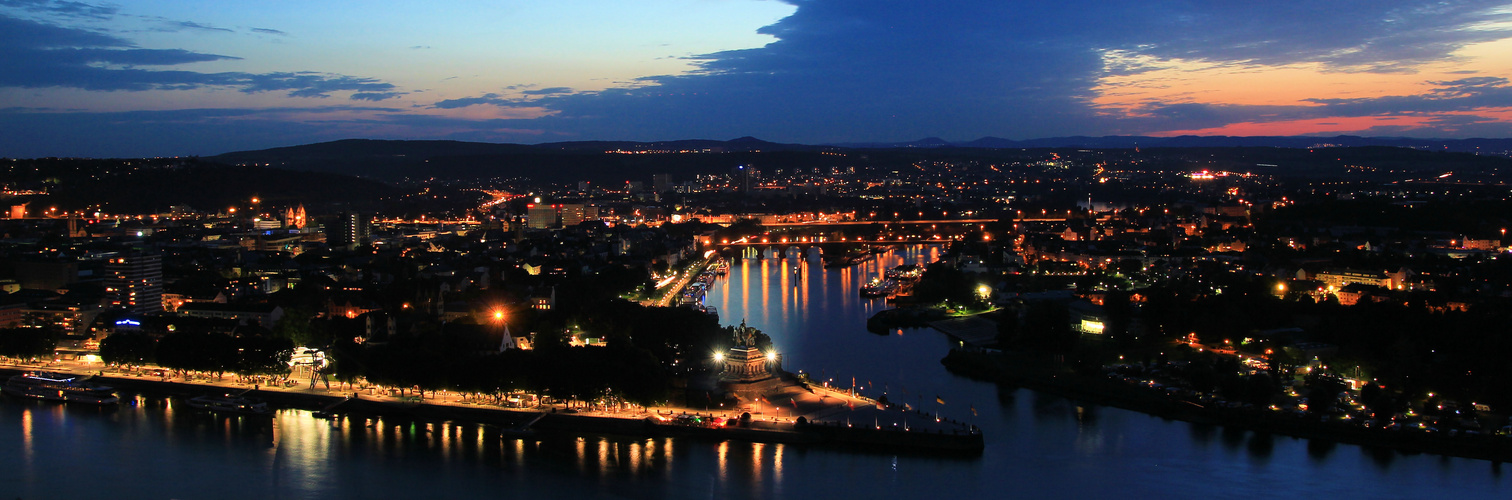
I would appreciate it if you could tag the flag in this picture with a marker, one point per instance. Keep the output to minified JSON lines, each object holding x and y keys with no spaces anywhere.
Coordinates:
{"x":939,"y":399}
{"x":973,"y":410}
{"x":794,"y":401}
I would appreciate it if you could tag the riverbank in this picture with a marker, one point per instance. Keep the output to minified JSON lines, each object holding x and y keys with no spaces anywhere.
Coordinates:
{"x":659,"y":422}
{"x":1043,"y":374}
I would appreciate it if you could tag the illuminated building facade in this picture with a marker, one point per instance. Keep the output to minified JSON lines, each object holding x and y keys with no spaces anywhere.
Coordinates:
{"x":134,"y":282}
{"x":546,"y":216}
{"x":67,"y":319}
{"x":294,"y":217}
{"x":539,"y":216}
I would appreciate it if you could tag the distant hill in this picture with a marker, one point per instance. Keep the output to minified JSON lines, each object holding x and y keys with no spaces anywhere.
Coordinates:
{"x":153,"y":185}
{"x":551,"y":162}
{"x":601,"y":161}
{"x":743,"y":144}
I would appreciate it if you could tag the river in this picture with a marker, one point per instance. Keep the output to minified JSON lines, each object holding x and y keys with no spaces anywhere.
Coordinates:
{"x":1037,"y":445}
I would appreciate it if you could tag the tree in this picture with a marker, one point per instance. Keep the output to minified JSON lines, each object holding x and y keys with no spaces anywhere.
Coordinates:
{"x":1047,"y":327}
{"x":942,"y":282}
{"x":1323,"y":393}
{"x":295,"y":326}
{"x":1259,"y":388}
{"x":259,"y":355}
{"x":1119,"y":314}
{"x":27,"y":342}
{"x":128,"y":349}
{"x":1010,"y":323}
{"x":199,"y":351}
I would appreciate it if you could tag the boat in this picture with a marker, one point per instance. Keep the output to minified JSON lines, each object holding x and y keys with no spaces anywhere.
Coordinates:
{"x":510,"y":434}
{"x":329,"y":412}
{"x":522,"y":430}
{"x":229,"y":403}
{"x":878,"y":287}
{"x":849,"y":258}
{"x":905,"y":272}
{"x":50,"y":386}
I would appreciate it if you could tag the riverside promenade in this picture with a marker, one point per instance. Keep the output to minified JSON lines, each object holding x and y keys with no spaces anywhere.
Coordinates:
{"x":829,"y":416}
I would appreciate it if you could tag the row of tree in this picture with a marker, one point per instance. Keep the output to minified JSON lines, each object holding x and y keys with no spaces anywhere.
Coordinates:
{"x":27,"y":343}
{"x":202,"y":352}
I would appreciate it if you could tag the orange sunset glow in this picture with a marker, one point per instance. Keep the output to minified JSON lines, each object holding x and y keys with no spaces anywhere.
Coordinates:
{"x":1295,"y":87}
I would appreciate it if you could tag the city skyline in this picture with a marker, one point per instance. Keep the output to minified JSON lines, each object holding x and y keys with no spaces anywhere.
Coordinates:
{"x":173,"y":78}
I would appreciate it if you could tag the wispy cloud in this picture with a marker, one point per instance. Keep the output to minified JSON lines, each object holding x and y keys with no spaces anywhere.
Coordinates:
{"x":63,"y":8}
{"x":375,"y":96}
{"x":191,"y":25}
{"x":548,"y":91}
{"x":40,"y":55}
{"x":494,"y":99}
{"x":1449,"y":107}
{"x":1382,"y":35}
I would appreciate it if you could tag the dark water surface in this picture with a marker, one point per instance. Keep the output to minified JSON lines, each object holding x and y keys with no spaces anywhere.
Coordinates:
{"x":1037,"y":445}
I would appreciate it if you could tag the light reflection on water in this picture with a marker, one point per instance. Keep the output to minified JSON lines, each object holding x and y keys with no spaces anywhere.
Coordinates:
{"x":1037,"y":445}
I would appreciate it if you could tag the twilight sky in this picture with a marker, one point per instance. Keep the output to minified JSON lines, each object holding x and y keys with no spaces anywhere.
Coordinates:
{"x":171,"y":77}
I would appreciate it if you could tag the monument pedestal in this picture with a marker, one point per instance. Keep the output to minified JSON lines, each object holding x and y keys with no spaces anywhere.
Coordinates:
{"x":748,"y":373}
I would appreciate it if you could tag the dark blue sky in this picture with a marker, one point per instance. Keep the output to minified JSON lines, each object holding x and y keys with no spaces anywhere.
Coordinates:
{"x":175,"y":77}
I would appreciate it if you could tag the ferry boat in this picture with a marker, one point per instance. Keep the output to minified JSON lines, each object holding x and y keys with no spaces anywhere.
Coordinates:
{"x":228,"y":403}
{"x":59,"y":387}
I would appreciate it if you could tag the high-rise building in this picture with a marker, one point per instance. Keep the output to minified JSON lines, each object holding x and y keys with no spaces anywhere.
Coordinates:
{"x":572,"y":214}
{"x":744,"y":177}
{"x":661,"y":183}
{"x":352,"y":229}
{"x":540,"y":216}
{"x":134,"y":282}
